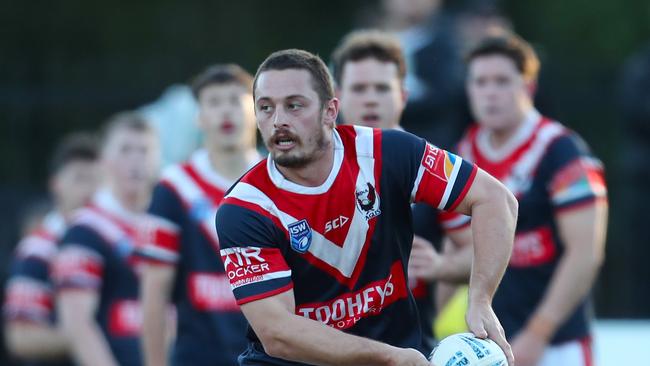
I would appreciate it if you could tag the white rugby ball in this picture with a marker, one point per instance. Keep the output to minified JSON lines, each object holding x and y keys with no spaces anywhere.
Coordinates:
{"x":464,"y":349}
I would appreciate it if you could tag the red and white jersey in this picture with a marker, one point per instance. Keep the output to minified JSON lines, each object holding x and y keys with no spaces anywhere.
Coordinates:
{"x":29,"y":291}
{"x":181,"y":233}
{"x":343,"y":246}
{"x":550,"y":170}
{"x":97,"y":253}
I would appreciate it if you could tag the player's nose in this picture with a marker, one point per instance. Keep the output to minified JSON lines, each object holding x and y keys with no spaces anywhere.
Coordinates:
{"x":280,"y":119}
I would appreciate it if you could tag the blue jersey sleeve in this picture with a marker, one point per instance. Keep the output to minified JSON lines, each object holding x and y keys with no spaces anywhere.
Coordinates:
{"x":163,"y":227}
{"x":574,"y":176}
{"x":28,"y":291}
{"x":427,"y":173}
{"x":80,"y":262}
{"x":251,"y":252}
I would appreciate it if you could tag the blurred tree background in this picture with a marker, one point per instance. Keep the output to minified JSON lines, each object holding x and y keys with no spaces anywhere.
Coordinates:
{"x":68,"y":65}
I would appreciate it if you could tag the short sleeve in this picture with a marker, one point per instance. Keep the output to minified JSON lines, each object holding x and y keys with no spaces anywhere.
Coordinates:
{"x":576,"y":176}
{"x":161,"y":227}
{"x":80,"y":262}
{"x":251,"y":254}
{"x":28,"y":291}
{"x":442,"y":179}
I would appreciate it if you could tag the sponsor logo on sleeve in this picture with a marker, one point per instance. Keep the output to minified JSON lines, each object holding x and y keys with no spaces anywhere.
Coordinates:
{"x":248,"y":265}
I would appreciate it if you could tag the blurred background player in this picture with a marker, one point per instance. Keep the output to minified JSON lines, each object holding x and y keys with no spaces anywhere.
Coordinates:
{"x":31,"y":330}
{"x":559,"y":244}
{"x":369,"y":72}
{"x":96,"y":269}
{"x":183,"y":253}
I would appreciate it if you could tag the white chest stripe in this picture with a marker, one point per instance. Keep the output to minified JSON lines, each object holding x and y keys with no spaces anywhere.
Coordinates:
{"x":342,"y":258}
{"x":520,"y":176}
{"x":192,"y":195}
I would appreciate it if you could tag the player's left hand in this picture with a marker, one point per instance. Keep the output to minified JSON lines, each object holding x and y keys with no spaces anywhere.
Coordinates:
{"x":482,"y":321}
{"x":528,"y":348}
{"x":424,"y":260}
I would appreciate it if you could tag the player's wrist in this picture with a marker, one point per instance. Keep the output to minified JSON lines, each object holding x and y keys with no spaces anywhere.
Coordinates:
{"x":542,"y":327}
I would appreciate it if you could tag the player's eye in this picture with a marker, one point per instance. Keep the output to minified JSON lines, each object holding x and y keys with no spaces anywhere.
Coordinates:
{"x":383,"y":88}
{"x":479,"y":81}
{"x":358,"y":88}
{"x":502,"y":80}
{"x":294,"y":106}
{"x":265,"y":108}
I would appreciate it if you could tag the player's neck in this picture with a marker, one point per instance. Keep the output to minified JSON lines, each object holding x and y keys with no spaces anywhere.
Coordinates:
{"x":315,"y":173}
{"x":499,"y":137}
{"x":134,"y":201}
{"x":231,"y":163}
{"x":66,"y":211}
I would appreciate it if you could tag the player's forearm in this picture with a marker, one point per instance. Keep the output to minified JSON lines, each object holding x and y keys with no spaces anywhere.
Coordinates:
{"x":584,"y":235}
{"x":154,"y":331}
{"x":88,"y":345}
{"x":155,"y":292}
{"x":455,"y":267}
{"x":570,"y":284}
{"x":493,"y":226}
{"x":304,"y":340}
{"x":35,"y":341}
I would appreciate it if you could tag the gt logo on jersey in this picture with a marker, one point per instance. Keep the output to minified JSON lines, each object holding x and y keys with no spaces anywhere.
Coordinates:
{"x":300,"y":235}
{"x":338,"y":222}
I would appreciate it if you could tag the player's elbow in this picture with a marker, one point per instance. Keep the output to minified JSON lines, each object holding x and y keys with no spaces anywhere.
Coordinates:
{"x":506,"y":199}
{"x":275,"y":340}
{"x":511,"y":203}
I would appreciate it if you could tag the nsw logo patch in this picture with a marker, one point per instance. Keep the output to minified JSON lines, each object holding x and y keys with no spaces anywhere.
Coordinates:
{"x":300,"y":235}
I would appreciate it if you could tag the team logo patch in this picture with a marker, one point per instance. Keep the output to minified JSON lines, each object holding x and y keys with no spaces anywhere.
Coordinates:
{"x":367,"y":201}
{"x":300,"y":235}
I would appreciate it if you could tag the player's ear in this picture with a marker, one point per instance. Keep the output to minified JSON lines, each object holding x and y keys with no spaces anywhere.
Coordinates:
{"x":404,"y":93}
{"x":330,"y":112}
{"x":531,"y":87}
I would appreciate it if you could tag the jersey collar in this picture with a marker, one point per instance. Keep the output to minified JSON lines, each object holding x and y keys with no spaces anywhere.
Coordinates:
{"x":522,"y":135}
{"x":200,"y":160}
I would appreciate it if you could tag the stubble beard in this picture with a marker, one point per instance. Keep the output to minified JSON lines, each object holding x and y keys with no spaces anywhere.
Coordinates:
{"x":299,"y":160}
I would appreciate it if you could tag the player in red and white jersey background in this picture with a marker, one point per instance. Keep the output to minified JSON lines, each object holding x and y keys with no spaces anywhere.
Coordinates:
{"x":369,"y":71}
{"x":96,"y":270}
{"x":339,"y":297}
{"x":31,"y":328}
{"x":182,"y":251}
{"x":543,"y":300}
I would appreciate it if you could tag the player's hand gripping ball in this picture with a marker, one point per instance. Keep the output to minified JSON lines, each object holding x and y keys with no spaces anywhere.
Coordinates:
{"x":464,"y":349}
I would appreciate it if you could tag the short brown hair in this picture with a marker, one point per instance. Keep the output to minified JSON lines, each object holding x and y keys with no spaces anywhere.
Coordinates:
{"x":301,"y":60}
{"x":77,"y":146}
{"x":364,"y":44}
{"x":511,"y":46}
{"x":131,"y":121}
{"x":221,"y":74}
